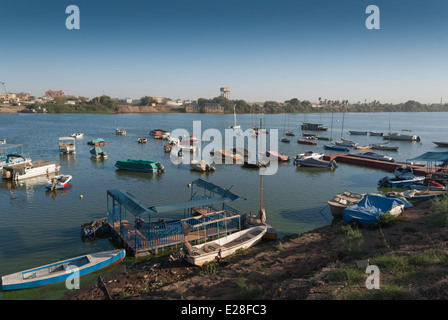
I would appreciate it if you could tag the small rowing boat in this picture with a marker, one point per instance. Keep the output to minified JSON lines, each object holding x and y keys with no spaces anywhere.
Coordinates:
{"x":62,"y":271}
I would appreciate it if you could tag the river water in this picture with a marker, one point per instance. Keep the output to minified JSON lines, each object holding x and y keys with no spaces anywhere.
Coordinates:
{"x":38,"y":227}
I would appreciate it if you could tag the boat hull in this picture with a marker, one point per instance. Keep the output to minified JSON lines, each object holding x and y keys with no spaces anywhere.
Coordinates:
{"x":97,"y":261}
{"x":226,"y":246}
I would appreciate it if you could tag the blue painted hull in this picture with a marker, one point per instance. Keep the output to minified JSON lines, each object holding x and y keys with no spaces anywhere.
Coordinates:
{"x":63,"y":276}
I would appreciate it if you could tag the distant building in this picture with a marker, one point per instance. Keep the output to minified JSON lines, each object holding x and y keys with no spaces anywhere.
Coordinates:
{"x":213,"y":108}
{"x":192,"y":107}
{"x":52,"y":94}
{"x":225,"y":92}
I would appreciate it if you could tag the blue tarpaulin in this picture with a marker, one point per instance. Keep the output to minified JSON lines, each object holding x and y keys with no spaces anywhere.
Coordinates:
{"x":370,"y":208}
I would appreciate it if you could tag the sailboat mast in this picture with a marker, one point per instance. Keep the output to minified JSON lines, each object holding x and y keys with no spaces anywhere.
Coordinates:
{"x":262,"y":212}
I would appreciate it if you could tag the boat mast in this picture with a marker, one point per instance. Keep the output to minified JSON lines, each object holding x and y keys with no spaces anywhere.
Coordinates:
{"x":262,"y":212}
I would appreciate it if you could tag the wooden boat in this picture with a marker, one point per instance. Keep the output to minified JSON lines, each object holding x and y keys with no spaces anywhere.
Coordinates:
{"x":313,"y":126}
{"x":201,"y":166}
{"x":97,"y":142}
{"x":354,"y":132}
{"x":335,"y":147}
{"x":306,"y":141}
{"x":241,"y":151}
{"x":59,"y":182}
{"x":368,"y":147}
{"x":316,"y":163}
{"x":98,"y":153}
{"x":25,"y":170}
{"x":77,"y":135}
{"x":375,"y":133}
{"x":384,"y":147}
{"x":142,"y":140}
{"x":441,"y":144}
{"x":342,"y":201}
{"x":140,"y":165}
{"x":210,"y":251}
{"x":67,"y":145}
{"x":226,"y":155}
{"x":290,"y":133}
{"x":283,"y":139}
{"x":313,"y":135}
{"x":61,"y":271}
{"x":416,"y":195}
{"x":275,"y":156}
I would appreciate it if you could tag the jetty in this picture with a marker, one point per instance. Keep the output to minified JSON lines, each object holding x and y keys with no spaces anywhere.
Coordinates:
{"x":379,"y":164}
{"x":142,"y":230}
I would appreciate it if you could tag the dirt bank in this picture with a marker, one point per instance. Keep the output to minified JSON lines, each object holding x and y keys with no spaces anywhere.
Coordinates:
{"x":319,"y":264}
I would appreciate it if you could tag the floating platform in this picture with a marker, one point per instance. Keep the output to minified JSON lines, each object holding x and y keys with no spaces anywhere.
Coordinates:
{"x":379,"y":164}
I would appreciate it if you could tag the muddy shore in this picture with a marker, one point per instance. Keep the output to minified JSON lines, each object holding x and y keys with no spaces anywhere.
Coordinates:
{"x":317,"y":265}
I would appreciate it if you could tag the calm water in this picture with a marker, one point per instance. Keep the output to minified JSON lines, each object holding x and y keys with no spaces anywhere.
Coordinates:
{"x":38,"y":227}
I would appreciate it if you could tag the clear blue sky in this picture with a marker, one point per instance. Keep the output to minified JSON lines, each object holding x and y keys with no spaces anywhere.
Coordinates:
{"x":262,"y":50}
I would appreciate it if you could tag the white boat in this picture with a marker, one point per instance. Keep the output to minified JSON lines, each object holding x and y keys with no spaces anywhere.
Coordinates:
{"x":67,"y":145}
{"x":121,"y":132}
{"x":307,"y":155}
{"x":77,"y":135}
{"x":207,"y":252}
{"x":201,"y":166}
{"x":316,"y":163}
{"x":31,"y":169}
{"x":235,"y":126}
{"x":142,"y":140}
{"x":58,"y":182}
{"x":2,"y":141}
{"x":346,"y":143}
{"x":342,"y":201}
{"x":373,"y":156}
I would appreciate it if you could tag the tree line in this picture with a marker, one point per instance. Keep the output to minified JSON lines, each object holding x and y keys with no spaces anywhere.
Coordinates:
{"x":105,"y":104}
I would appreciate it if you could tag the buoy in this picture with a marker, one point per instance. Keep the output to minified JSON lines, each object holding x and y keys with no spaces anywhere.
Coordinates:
{"x":81,"y":196}
{"x":189,"y":185}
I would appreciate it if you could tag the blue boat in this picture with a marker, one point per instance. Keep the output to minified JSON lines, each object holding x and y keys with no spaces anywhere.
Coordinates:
{"x":335,"y":147}
{"x":370,"y":209}
{"x":61,"y":271}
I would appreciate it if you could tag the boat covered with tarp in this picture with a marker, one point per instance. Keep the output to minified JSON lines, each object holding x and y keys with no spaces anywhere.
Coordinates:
{"x":369,"y":210}
{"x":140,"y":165}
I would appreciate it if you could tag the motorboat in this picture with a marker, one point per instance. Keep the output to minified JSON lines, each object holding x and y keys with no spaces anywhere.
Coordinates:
{"x":29,"y":169}
{"x":140,"y":165}
{"x":121,"y":132}
{"x":59,"y":182}
{"x":376,"y":133}
{"x":97,"y":142}
{"x":342,"y":201}
{"x":373,"y":156}
{"x":399,"y":183}
{"x":201,"y":166}
{"x":308,"y":154}
{"x":441,"y":144}
{"x":275,"y":156}
{"x":335,"y":147}
{"x":98,"y":153}
{"x":416,"y":195}
{"x":316,"y":163}
{"x":384,"y":147}
{"x":77,"y":135}
{"x":142,"y":140}
{"x":306,"y":141}
{"x":313,"y":126}
{"x":354,"y":132}
{"x":401,"y":136}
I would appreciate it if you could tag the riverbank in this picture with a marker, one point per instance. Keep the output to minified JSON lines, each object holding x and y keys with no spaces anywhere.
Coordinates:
{"x":321,"y":264}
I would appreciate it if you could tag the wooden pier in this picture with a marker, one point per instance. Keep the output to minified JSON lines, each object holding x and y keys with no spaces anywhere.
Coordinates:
{"x":379,"y":164}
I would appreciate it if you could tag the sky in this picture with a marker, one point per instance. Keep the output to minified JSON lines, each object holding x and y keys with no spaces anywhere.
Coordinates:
{"x":262,"y":50}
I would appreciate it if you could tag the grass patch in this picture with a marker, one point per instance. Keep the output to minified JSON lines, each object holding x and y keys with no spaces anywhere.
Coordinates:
{"x":248,"y":291}
{"x":348,"y":274}
{"x":352,"y":241}
{"x":209,"y":269}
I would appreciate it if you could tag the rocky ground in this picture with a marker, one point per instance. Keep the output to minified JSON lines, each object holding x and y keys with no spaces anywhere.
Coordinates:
{"x":319,"y":264}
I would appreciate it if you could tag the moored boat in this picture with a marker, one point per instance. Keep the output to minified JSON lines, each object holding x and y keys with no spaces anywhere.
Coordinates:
{"x":313,"y":126}
{"x":417,"y":195}
{"x":77,"y":135}
{"x":342,"y":201}
{"x":62,"y":271}
{"x":306,"y":141}
{"x":441,"y":144}
{"x":316,"y":163}
{"x":375,"y":133}
{"x":399,"y":183}
{"x":384,"y":147}
{"x":67,"y":145}
{"x":59,"y":182}
{"x":373,"y":156}
{"x":308,"y":154}
{"x":25,"y":170}
{"x":275,"y":156}
{"x":140,"y":165}
{"x":335,"y":147}
{"x":142,"y":140}
{"x":121,"y":132}
{"x":355,"y":132}
{"x":401,"y":136}
{"x":97,"y":142}
{"x":368,"y":147}
{"x":201,"y":166}
{"x":98,"y":153}
{"x":207,"y":252}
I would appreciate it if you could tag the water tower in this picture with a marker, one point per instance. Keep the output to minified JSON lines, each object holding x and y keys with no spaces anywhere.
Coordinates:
{"x":225,"y":92}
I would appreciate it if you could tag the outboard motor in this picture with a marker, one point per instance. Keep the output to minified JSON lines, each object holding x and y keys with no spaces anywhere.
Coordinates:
{"x":160,"y":167}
